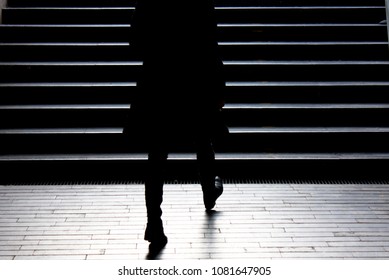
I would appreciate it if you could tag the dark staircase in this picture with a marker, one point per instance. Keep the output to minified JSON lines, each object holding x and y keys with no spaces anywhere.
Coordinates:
{"x":307,"y":92}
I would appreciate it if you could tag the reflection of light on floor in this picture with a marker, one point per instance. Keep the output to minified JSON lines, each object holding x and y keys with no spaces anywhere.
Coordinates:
{"x":249,"y":221}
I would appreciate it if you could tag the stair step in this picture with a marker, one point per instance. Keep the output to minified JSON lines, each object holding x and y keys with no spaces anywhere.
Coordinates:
{"x":249,"y":140}
{"x":56,"y":131}
{"x":18,"y":52}
{"x":191,"y":157}
{"x":233,"y":130}
{"x":252,"y":115}
{"x":123,"y":15}
{"x":236,"y":92}
{"x":220,"y":3}
{"x":19,"y":116}
{"x":302,"y":32}
{"x":51,"y":92}
{"x":227,"y":107}
{"x":306,"y":70}
{"x":235,"y":71}
{"x":66,"y":107}
{"x":311,"y":84}
{"x":65,"y":33}
{"x":304,"y":50}
{"x":299,"y":107}
{"x":121,"y":71}
{"x":71,"y":3}
{"x":183,"y":166}
{"x":227,"y":32}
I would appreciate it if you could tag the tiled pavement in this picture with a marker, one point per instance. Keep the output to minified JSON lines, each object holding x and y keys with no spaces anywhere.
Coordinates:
{"x":250,"y":221}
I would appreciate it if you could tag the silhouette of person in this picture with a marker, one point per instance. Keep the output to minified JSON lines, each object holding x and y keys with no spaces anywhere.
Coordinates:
{"x":180,"y":95}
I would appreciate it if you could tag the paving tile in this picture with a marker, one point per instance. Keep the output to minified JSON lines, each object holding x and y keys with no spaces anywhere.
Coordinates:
{"x":16,"y":253}
{"x":350,"y":249}
{"x":317,"y":255}
{"x":68,"y":252}
{"x":128,"y":247}
{"x":60,"y":237}
{"x":72,"y":242}
{"x":51,"y":257}
{"x":136,"y":256}
{"x":379,"y":255}
{"x":9,"y":248}
{"x":57,"y":247}
{"x":263,"y":255}
{"x":6,"y":258}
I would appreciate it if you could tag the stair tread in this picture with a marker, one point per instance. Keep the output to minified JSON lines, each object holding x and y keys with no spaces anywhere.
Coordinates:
{"x":233,"y":130}
{"x":65,"y":107}
{"x":306,"y":106}
{"x":231,"y":106}
{"x":190,"y":156}
{"x":230,"y":84}
{"x":85,"y":84}
{"x":219,"y":24}
{"x":300,"y":24}
{"x":302,"y":84}
{"x":223,"y":43}
{"x":64,"y":25}
{"x":226,"y":62}
{"x":95,"y":3}
{"x":310,"y":130}
{"x":307,"y":62}
{"x":73,"y":63}
{"x":217,"y":8}
{"x":61,"y":44}
{"x":291,"y":43}
{"x":39,"y":131}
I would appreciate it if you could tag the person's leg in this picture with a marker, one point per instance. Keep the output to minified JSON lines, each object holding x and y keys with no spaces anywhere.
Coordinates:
{"x":154,"y":193}
{"x":205,"y":161}
{"x":211,"y":184}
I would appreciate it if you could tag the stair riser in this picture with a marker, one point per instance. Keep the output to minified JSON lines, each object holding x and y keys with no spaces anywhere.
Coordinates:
{"x":64,"y":34}
{"x":85,"y":170}
{"x":64,"y":118}
{"x":67,"y":95}
{"x":314,"y":72}
{"x":303,"y":34}
{"x":118,"y":94}
{"x":308,"y":94}
{"x":306,"y":52}
{"x":116,"y":53}
{"x":307,"y":117}
{"x":72,"y":73}
{"x":125,"y":95}
{"x":235,"y":118}
{"x":226,"y":33}
{"x":124,"y":16}
{"x":72,"y":3}
{"x":127,"y":73}
{"x":236,"y":143}
{"x":66,"y":53}
{"x":131,"y":3}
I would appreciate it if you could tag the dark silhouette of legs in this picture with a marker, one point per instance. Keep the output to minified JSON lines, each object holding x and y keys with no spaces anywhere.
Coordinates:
{"x":157,"y":158}
{"x":210,"y":183}
{"x":154,"y":195}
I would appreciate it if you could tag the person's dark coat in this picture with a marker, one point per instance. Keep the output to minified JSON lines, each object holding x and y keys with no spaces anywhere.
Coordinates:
{"x":181,"y":84}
